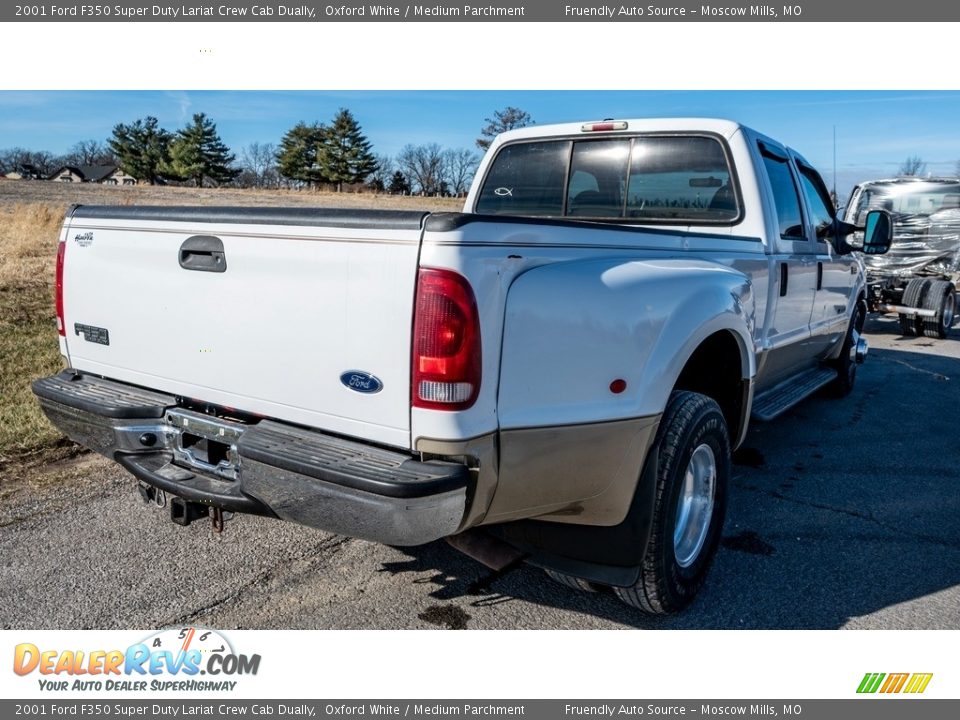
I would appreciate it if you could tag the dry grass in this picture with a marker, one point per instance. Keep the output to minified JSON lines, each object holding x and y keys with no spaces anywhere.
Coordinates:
{"x":28,"y":335}
{"x":30,"y":218}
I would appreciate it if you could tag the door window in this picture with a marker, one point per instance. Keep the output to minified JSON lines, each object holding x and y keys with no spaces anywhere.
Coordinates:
{"x":818,"y":200}
{"x":785,"y":195}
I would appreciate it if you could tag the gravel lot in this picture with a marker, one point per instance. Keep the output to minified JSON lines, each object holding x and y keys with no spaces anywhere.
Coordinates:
{"x":843,"y":514}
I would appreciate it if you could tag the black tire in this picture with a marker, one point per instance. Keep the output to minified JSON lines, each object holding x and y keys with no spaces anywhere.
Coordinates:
{"x":571,"y":581}
{"x":940,"y":297}
{"x":845,"y":364}
{"x":913,"y":296}
{"x":906,"y":324}
{"x":664,"y":586}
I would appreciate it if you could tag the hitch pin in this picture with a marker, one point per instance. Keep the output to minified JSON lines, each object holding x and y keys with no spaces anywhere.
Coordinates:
{"x":216,"y":516}
{"x":150,"y":493}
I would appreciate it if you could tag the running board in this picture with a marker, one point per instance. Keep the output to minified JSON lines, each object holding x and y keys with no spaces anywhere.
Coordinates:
{"x":778,"y":400}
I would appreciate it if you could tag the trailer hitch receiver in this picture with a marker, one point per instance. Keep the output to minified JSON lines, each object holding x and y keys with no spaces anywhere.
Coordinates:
{"x":183,"y":512}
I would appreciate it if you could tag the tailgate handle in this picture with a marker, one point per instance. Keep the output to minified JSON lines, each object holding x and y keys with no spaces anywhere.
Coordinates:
{"x":203,"y":253}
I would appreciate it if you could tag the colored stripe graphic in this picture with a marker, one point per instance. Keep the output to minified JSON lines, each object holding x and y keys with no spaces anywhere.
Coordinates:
{"x":894,"y":683}
{"x":870,"y":682}
{"x":918,"y":683}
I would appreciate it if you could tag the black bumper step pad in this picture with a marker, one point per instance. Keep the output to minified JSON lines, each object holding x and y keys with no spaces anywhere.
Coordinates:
{"x":351,"y":464}
{"x":102,"y":397}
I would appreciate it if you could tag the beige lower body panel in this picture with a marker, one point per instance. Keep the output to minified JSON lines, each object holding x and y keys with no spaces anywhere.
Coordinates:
{"x":480,"y":455}
{"x":583,"y":474}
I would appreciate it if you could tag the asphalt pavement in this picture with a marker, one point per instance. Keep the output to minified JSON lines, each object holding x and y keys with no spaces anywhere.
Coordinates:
{"x":842,"y":514}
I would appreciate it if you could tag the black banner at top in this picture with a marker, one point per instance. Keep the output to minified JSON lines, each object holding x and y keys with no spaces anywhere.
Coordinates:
{"x":482,"y":11}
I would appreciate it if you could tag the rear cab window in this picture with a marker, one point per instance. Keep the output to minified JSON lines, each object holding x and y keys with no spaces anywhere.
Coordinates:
{"x":647,"y":179}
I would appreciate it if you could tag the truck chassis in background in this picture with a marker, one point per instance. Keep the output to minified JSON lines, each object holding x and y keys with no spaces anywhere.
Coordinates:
{"x":925,"y":304}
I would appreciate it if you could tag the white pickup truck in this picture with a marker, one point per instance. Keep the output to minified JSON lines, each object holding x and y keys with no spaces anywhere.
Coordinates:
{"x":566,"y":364}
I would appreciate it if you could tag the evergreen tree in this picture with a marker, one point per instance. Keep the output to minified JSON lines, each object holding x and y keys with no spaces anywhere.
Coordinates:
{"x":398,"y":184}
{"x":297,"y":156}
{"x":345,"y":155}
{"x":198,"y":153}
{"x":141,"y":148}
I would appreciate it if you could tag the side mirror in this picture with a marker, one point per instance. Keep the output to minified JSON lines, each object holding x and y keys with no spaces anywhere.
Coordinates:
{"x":874,"y":238}
{"x":877,"y":233}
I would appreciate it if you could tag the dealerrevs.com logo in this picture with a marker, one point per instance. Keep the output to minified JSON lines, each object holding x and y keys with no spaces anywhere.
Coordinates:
{"x":180,"y":653}
{"x":910,"y":683}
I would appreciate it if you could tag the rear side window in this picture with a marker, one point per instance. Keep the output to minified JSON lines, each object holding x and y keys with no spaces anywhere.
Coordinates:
{"x":681,"y":178}
{"x":643,"y":179}
{"x":784,"y":196}
{"x":597,"y":173}
{"x":526,"y":179}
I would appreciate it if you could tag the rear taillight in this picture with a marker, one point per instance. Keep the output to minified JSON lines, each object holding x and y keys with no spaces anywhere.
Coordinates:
{"x":446,"y":342}
{"x":61,"y":324}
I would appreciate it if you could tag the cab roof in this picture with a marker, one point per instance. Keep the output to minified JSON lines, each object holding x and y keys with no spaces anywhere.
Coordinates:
{"x":725,"y":128}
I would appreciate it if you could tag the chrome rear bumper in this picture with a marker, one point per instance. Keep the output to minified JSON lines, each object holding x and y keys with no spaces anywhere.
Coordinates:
{"x":266,"y":468}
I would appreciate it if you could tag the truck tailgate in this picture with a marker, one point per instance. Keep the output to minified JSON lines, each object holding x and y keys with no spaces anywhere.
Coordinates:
{"x":305,"y":306}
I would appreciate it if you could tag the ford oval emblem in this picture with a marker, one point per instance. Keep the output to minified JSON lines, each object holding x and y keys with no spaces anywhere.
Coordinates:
{"x":361,"y":382}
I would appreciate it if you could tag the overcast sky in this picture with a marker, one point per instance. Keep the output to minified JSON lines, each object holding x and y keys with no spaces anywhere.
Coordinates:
{"x":875,"y":131}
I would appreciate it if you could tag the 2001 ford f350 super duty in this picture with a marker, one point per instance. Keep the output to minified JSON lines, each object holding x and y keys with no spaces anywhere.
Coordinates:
{"x":567,"y":363}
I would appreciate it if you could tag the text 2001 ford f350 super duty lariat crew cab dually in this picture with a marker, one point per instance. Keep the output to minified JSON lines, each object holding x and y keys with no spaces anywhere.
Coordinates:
{"x":567,"y":363}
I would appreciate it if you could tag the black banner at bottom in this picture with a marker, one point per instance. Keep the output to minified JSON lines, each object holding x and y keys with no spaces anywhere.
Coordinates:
{"x":868,"y":707}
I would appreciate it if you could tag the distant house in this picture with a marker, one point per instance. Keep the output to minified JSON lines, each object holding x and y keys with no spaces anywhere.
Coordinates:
{"x":29,"y":171}
{"x":119,"y":177}
{"x":24,"y":171}
{"x":103,"y":174}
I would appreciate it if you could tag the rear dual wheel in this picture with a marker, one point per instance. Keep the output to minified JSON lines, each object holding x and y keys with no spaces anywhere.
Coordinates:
{"x":693,"y":470}
{"x":938,"y":296}
{"x":913,"y":297}
{"x":571,"y":581}
{"x":941,"y":297}
{"x":692,"y":475}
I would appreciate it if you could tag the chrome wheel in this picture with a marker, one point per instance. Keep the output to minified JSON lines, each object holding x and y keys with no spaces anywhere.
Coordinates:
{"x":949,"y":308}
{"x":695,"y":506}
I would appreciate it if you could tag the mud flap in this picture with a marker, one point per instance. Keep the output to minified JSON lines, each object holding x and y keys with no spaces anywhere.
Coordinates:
{"x":609,"y":555}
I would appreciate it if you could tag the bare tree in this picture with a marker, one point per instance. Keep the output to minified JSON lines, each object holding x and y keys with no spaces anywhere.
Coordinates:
{"x":18,"y":159}
{"x":423,"y":167}
{"x":913,"y":166}
{"x":259,"y":164}
{"x":12,"y":158}
{"x":89,"y":152}
{"x":459,"y":166}
{"x":509,"y":118}
{"x":379,"y":179}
